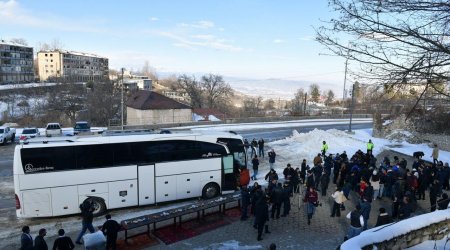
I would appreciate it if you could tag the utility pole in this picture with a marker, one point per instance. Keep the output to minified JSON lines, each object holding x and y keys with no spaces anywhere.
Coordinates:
{"x":304,"y":105}
{"x":351,"y":109}
{"x":121,"y":101}
{"x":345,"y":81}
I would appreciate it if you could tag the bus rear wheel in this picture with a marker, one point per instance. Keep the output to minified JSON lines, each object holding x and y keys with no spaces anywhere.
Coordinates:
{"x":210,"y":190}
{"x":99,"y":206}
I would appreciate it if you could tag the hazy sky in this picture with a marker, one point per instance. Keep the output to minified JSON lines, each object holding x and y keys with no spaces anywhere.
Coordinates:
{"x":244,"y":38}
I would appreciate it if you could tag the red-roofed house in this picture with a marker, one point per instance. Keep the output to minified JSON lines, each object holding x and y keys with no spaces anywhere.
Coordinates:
{"x":148,"y":107}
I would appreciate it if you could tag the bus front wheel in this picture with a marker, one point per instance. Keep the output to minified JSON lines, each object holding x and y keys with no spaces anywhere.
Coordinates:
{"x":210,"y":190}
{"x":99,"y":206}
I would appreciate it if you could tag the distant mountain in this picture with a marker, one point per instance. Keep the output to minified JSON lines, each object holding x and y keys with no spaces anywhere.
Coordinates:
{"x":268,"y":88}
{"x":276,"y":88}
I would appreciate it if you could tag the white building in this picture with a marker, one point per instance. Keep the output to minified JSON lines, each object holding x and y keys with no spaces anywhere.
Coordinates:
{"x":72,"y":66}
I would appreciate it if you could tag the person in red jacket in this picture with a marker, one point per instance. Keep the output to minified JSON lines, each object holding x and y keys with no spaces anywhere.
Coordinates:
{"x":312,"y":201}
{"x":244,"y":177}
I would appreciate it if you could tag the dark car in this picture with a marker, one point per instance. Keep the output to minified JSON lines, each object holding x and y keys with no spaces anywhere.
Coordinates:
{"x":82,"y":128}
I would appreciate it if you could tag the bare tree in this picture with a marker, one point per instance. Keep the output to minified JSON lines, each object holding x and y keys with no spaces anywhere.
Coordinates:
{"x":20,"y":41}
{"x":149,"y":71}
{"x":314,"y":92}
{"x":169,"y":82}
{"x":193,"y":88}
{"x":252,"y":105}
{"x":67,"y":98}
{"x":216,"y":90}
{"x":269,"y":104}
{"x":55,"y":44}
{"x":330,"y":97}
{"x":101,"y":110}
{"x":395,"y":42}
{"x":297,"y":103}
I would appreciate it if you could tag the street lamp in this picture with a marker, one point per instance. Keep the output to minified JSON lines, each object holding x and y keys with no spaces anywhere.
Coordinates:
{"x":121,"y":101}
{"x":351,"y":109}
{"x":345,"y":75}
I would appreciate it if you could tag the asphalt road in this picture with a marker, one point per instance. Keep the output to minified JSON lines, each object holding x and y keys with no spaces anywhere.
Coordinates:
{"x":280,"y":133}
{"x":6,"y":152}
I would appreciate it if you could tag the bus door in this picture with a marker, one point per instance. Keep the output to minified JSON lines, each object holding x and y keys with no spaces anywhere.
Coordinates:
{"x":146,"y":184}
{"x":229,"y":176}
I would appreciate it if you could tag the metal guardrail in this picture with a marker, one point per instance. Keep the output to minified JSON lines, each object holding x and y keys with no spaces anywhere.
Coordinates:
{"x":197,"y":207}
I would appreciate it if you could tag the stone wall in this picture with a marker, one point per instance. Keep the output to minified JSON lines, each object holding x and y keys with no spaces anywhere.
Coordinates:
{"x":390,"y":128}
{"x":432,"y":232}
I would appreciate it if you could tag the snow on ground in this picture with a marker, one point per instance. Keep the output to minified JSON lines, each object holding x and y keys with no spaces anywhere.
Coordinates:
{"x":266,"y":125}
{"x":231,"y":244}
{"x":382,"y":233}
{"x":292,"y":150}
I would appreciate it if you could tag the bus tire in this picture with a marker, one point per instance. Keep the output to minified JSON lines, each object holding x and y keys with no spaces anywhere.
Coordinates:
{"x":210,"y":190}
{"x":99,"y":206}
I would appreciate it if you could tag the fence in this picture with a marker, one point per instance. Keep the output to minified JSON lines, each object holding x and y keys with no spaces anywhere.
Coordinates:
{"x":115,"y":124}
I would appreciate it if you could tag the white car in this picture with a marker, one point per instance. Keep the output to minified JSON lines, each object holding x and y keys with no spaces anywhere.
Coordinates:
{"x":53,"y":129}
{"x":28,"y":133}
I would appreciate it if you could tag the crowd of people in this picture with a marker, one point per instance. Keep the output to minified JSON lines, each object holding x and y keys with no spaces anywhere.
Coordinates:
{"x":110,"y":229}
{"x":360,"y":173}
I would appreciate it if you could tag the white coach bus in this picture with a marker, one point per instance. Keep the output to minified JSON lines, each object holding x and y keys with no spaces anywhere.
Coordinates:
{"x":52,"y":178}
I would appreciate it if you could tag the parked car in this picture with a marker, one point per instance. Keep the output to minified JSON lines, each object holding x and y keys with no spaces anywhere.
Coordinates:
{"x":53,"y":129}
{"x":28,"y":133}
{"x":7,"y":134}
{"x":81,"y":127}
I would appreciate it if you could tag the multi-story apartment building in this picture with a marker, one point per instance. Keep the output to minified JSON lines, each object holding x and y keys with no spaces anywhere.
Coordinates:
{"x":16,"y":63}
{"x":71,"y":66}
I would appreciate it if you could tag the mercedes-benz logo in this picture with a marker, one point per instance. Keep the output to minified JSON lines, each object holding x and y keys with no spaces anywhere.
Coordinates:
{"x":29,"y":167}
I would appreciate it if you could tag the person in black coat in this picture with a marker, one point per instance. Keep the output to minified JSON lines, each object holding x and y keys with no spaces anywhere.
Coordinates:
{"x":39,"y":241}
{"x":276,"y":198}
{"x":434,"y":193}
{"x":261,"y":216}
{"x":255,"y":194}
{"x":110,"y":228}
{"x":383,"y":218}
{"x":288,"y":172}
{"x":443,"y":202}
{"x":303,"y":170}
{"x":245,"y":202}
{"x":286,"y":199}
{"x":87,"y":210}
{"x":63,"y":242}
{"x":295,"y":180}
{"x":26,"y":241}
{"x":310,"y":179}
{"x":324,"y":180}
{"x":405,"y":209}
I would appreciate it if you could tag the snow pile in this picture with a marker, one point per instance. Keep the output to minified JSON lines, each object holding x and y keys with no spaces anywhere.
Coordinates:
{"x":213,"y":118}
{"x":301,"y":146}
{"x":308,"y":145}
{"x":383,"y":233}
{"x":399,"y":135}
{"x":197,"y":118}
{"x":231,"y":244}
